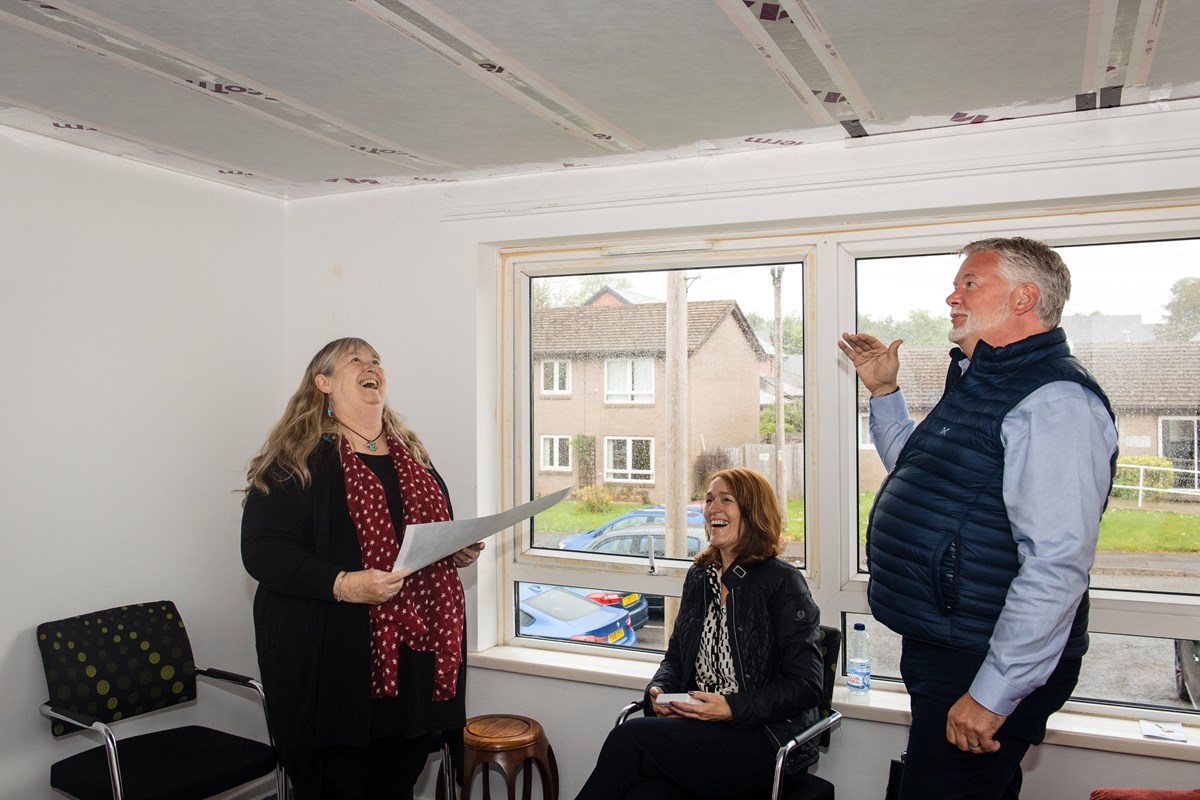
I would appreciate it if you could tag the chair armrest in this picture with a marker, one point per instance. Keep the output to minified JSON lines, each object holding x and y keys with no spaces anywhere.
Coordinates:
{"x":812,"y":731}
{"x":74,"y":718}
{"x":627,"y":711}
{"x":246,"y":682}
{"x":228,"y":677}
{"x":110,"y":741}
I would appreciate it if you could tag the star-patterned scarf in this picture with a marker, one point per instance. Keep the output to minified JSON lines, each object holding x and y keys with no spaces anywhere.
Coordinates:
{"x":427,"y":614}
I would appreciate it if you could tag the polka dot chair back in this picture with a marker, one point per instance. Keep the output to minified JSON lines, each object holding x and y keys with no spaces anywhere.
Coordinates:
{"x":119,"y":662}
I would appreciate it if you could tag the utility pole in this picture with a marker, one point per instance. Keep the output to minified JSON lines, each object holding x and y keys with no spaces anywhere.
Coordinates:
{"x":780,"y":477}
{"x":676,"y":499}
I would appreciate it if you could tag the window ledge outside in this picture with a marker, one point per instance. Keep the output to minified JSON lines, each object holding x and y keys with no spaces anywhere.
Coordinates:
{"x":1065,"y":729}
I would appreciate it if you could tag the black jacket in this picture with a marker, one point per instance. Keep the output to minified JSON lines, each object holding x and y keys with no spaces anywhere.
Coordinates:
{"x":774,"y":637}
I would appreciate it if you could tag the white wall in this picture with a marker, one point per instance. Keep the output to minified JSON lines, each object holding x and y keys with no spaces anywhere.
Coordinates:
{"x":158,"y":323}
{"x":140,"y":316}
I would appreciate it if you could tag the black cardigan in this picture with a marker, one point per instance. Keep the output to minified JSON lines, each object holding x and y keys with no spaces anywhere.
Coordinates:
{"x":313,"y":652}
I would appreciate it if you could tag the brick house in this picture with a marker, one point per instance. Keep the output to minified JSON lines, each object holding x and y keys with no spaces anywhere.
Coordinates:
{"x":1154,"y":388}
{"x":599,"y":371}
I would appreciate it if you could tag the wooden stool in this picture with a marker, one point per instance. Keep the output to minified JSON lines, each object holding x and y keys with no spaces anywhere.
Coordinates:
{"x":507,"y":741}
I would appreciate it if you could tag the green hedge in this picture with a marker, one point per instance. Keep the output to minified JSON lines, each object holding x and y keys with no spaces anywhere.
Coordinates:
{"x":1128,"y":475}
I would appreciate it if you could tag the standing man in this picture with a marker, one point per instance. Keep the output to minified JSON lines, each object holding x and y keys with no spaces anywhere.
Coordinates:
{"x":983,"y":533}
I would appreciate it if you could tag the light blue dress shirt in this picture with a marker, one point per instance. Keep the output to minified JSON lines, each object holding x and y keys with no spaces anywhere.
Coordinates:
{"x":1058,"y":444}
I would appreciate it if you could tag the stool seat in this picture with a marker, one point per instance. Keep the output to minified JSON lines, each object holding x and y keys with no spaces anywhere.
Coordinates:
{"x":502,"y":732}
{"x":507,"y":742}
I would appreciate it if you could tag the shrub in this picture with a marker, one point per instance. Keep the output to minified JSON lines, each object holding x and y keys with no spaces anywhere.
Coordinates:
{"x":707,"y":463}
{"x":594,"y":499}
{"x":585,"y":459}
{"x":1128,"y":475}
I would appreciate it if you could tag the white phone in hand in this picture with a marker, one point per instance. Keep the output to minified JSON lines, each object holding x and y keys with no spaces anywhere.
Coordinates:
{"x":678,"y":697}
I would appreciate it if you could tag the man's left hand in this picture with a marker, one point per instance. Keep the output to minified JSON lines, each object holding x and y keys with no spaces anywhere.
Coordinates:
{"x":970,"y":727}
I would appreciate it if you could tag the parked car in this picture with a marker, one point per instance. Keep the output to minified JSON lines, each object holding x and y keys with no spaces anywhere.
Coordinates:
{"x":633,"y":541}
{"x":1187,"y":670}
{"x":633,"y":602}
{"x":642,"y":516}
{"x":554,"y":612}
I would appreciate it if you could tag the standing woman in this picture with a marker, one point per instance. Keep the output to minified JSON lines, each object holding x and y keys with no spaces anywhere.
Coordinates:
{"x":744,"y":647}
{"x":362,"y":668}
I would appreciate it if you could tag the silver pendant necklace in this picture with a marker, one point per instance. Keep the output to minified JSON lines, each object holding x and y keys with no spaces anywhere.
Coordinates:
{"x":370,"y":442}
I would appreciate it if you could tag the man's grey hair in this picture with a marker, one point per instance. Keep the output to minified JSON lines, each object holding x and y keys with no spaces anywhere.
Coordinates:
{"x":1027,"y":261}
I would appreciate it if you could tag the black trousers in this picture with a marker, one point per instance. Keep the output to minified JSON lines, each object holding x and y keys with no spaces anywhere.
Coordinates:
{"x":388,"y":769}
{"x":663,"y":758}
{"x":936,"y":677}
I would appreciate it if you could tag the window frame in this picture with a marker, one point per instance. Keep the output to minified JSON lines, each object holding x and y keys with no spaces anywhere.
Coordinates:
{"x":543,"y":466}
{"x":1162,"y":440}
{"x":561,"y":366}
{"x":633,"y":396}
{"x":832,"y":445}
{"x":629,"y":471}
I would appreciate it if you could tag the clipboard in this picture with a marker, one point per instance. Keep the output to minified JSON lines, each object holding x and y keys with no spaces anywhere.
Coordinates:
{"x":428,"y":542}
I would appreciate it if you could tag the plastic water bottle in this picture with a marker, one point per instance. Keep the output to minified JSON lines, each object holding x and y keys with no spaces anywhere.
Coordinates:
{"x":858,"y":660}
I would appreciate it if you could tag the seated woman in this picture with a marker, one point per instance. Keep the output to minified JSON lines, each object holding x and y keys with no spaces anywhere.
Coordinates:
{"x":744,"y":649}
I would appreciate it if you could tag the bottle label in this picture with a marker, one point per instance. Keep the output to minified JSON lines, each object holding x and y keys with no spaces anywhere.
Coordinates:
{"x":858,"y":680}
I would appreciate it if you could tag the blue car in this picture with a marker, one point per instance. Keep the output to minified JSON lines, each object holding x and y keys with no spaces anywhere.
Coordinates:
{"x":555,"y":612}
{"x":634,"y":603}
{"x":642,"y":516}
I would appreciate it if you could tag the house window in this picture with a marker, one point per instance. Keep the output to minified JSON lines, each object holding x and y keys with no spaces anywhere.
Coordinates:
{"x":629,"y":380}
{"x":628,"y":459}
{"x":865,"y":442}
{"x":1179,"y":441}
{"x":556,"y":453}
{"x":556,"y":377}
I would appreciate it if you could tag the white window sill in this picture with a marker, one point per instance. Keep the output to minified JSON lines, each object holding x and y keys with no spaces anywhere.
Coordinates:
{"x":885,"y":704}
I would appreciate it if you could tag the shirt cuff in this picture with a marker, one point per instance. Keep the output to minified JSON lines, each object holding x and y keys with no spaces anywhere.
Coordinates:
{"x":889,"y":407}
{"x":994,"y":693}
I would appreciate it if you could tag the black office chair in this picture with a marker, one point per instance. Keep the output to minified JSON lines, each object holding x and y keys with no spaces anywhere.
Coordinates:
{"x":799,"y":785}
{"x":119,"y":663}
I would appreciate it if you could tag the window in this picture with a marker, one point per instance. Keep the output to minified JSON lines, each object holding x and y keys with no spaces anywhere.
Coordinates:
{"x":1128,"y":337}
{"x":666,"y":368}
{"x":628,"y":459}
{"x":629,"y":380}
{"x":1179,"y":441}
{"x":1124,"y":337}
{"x":894,"y":281}
{"x":865,"y":441}
{"x":556,"y":452}
{"x":556,"y":377}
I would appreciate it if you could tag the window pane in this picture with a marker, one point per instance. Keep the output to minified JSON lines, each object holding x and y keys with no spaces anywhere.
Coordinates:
{"x":1129,"y":670}
{"x":1139,"y":338}
{"x":591,"y":616}
{"x":612,"y":330}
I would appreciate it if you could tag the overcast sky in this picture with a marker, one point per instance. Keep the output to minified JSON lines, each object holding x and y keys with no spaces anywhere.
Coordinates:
{"x":1112,"y":279}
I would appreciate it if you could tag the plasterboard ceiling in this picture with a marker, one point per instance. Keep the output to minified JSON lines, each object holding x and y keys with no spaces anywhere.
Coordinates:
{"x":296,"y":98}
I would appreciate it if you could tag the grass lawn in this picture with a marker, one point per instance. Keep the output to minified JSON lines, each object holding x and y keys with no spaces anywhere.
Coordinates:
{"x":1121,"y":529}
{"x":569,"y":517}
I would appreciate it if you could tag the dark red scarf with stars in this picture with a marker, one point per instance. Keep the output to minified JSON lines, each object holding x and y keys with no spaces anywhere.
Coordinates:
{"x":428,"y":613}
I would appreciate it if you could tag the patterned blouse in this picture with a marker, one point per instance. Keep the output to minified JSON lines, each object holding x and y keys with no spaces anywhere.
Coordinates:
{"x":714,"y":662}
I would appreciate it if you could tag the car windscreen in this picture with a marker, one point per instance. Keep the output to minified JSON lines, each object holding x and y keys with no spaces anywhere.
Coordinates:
{"x":561,"y":604}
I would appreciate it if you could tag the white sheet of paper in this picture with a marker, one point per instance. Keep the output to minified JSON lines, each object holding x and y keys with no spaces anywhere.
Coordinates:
{"x":1163,"y":730}
{"x":433,"y":541}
